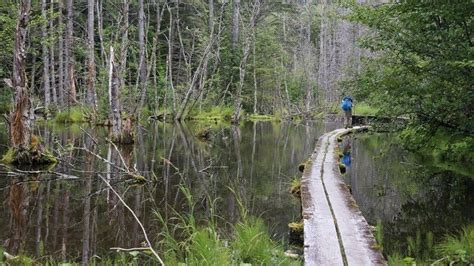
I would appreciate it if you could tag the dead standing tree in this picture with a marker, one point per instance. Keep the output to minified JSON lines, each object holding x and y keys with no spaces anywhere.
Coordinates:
{"x":121,"y":132}
{"x":25,"y":149}
{"x":256,"y":7}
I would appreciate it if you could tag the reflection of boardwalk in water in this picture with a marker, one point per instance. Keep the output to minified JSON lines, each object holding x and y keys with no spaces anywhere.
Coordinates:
{"x":335,"y":231}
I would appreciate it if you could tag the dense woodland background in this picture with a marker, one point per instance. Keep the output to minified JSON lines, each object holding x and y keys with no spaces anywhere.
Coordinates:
{"x":186,"y":58}
{"x":183,"y":56}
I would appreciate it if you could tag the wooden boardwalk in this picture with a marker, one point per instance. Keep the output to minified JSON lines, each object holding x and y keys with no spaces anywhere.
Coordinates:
{"x":335,"y":232}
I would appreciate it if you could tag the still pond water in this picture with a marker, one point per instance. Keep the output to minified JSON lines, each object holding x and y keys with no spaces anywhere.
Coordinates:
{"x":253,"y":164}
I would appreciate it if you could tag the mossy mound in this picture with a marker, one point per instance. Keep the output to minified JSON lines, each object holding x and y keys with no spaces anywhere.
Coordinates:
{"x":296,"y":188}
{"x":296,"y":232}
{"x":31,"y":156}
{"x":342,"y":168}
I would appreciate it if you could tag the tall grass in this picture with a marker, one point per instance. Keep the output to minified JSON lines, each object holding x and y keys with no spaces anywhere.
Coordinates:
{"x":459,"y":249}
{"x":184,"y":240}
{"x":74,"y":114}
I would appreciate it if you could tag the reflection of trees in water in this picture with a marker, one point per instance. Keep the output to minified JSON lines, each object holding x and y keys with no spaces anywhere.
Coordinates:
{"x":411,"y":200}
{"x":82,"y":218}
{"x":18,"y":199}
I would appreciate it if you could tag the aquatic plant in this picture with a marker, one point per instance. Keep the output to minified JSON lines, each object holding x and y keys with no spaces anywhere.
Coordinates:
{"x":296,"y":187}
{"x":193,"y":243}
{"x":251,"y":243}
{"x":460,"y":248}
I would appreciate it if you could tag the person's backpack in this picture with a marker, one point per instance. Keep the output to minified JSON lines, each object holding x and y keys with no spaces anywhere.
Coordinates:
{"x":346,"y":104}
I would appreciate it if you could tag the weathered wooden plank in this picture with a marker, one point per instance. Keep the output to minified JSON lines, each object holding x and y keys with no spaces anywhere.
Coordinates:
{"x":335,"y":231}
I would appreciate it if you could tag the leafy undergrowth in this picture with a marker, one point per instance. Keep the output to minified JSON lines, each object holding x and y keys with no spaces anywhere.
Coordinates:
{"x":74,"y":114}
{"x":364,"y":109}
{"x":247,"y":242}
{"x":453,"y":250}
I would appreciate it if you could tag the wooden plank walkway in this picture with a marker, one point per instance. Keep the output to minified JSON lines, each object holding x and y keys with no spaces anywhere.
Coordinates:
{"x":335,"y":232}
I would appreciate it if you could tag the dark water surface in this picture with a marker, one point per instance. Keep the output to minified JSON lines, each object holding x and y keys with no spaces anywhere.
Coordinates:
{"x":414,"y":200}
{"x":72,"y":218}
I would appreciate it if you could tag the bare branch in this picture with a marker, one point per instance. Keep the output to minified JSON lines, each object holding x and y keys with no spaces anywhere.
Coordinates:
{"x":136,"y":219}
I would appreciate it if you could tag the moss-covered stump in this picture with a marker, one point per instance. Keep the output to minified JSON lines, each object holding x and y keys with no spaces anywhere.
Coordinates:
{"x":342,"y":168}
{"x":35,"y":154}
{"x":296,"y":232}
{"x":296,"y":187}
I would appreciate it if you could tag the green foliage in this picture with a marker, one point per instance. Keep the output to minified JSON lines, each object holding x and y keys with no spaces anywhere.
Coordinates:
{"x":213,"y":113}
{"x":193,"y":244}
{"x":458,"y":249}
{"x":364,"y":109}
{"x":207,"y":249}
{"x":74,"y":114}
{"x":259,"y":117}
{"x":421,"y":67}
{"x":252,"y":242}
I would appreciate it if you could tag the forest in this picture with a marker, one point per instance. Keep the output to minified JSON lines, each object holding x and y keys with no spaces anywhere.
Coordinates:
{"x":197,"y":83}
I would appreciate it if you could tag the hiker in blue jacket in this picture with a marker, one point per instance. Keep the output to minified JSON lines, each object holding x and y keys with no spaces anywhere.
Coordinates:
{"x":346,"y":106}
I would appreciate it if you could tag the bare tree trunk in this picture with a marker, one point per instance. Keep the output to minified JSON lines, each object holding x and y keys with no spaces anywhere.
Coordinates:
{"x":52,"y":60}
{"x":196,"y":75}
{"x":211,"y":14}
{"x":100,"y":31}
{"x":44,"y":35}
{"x":243,"y":63}
{"x":254,"y":74}
{"x":121,"y":133}
{"x":143,"y":63}
{"x":62,"y":72}
{"x":154,"y":56}
{"x":20,"y":132}
{"x":235,"y":23}
{"x":114,"y":104}
{"x":124,"y":44}
{"x":169,"y":62}
{"x":91,"y":92}
{"x":70,"y":84}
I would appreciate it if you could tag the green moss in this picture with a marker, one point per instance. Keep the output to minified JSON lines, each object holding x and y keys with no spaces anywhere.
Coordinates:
{"x":296,"y":187}
{"x":9,"y":156}
{"x":296,"y":227}
{"x":76,"y":114}
{"x":342,"y":168}
{"x":459,"y":249}
{"x":259,"y":117}
{"x":32,"y":156}
{"x":222,"y":113}
{"x":364,"y":109}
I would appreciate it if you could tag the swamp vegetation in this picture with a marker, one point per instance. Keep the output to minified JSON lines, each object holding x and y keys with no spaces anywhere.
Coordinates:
{"x":149,"y":130}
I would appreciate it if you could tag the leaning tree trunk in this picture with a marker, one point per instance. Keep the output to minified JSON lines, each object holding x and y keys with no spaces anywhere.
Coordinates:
{"x":121,"y":133}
